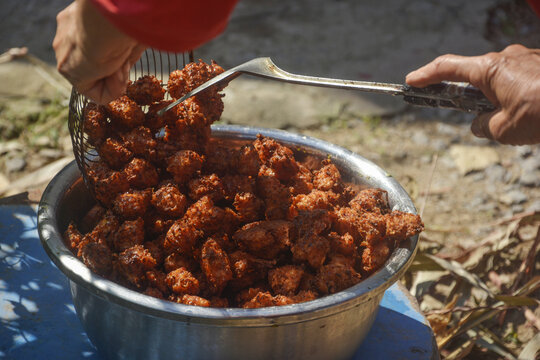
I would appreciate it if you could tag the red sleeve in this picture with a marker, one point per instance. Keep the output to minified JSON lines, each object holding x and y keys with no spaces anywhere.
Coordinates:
{"x":168,"y":25}
{"x":535,"y":5}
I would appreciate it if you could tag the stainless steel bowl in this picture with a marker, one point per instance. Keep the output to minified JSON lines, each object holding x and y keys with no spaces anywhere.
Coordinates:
{"x":124,"y":324}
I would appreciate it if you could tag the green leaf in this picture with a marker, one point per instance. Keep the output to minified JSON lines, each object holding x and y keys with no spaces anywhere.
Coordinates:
{"x":517,"y":300}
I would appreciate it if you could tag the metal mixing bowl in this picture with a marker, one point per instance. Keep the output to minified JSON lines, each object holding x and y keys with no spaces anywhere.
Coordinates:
{"x":124,"y":324}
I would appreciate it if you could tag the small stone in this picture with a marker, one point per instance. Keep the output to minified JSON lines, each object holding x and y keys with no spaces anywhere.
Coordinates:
{"x":530,"y":164}
{"x":477,"y":176}
{"x":447,"y":130}
{"x":513,"y":197}
{"x":43,"y":141}
{"x":420,"y":138}
{"x":530,"y":178}
{"x":15,"y":164}
{"x":524,"y":151}
{"x":496,"y":173}
{"x":473,"y":158}
{"x":517,"y":209}
{"x":50,"y":154}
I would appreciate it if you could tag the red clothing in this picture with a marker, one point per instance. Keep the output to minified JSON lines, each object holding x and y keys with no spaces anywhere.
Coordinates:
{"x":535,"y":5}
{"x":168,"y":25}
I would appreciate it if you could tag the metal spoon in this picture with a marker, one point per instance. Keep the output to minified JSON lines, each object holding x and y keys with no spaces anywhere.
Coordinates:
{"x":458,"y":96}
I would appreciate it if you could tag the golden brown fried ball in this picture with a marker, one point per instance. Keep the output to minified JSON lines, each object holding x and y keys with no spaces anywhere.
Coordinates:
{"x":182,"y":282}
{"x":145,"y":90}
{"x":169,"y":201}
{"x":132,"y":204}
{"x":125,"y":113}
{"x":95,"y":122}
{"x":285,"y":280}
{"x":129,"y":233}
{"x":184,"y":165}
{"x":141,"y":174}
{"x":215,"y":265}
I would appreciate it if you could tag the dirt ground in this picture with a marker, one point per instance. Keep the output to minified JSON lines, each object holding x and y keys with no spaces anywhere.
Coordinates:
{"x":480,"y":201}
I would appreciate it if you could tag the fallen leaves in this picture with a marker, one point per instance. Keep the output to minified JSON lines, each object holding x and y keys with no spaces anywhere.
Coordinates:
{"x":468,"y":293}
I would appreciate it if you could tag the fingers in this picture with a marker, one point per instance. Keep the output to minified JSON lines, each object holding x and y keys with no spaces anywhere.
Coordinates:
{"x":495,"y":126}
{"x":446,"y":67}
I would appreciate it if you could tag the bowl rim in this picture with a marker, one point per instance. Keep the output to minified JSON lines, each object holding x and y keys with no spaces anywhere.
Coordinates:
{"x":371,"y":287}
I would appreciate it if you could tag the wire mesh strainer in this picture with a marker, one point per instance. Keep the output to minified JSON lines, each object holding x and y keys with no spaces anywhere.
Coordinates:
{"x":152,"y":62}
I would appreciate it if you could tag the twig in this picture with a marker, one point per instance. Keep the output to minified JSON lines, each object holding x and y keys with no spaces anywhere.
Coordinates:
{"x":467,"y":309}
{"x":517,"y":216}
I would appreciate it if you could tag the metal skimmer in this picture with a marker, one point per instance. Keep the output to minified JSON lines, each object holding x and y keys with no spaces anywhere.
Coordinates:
{"x":458,"y":96}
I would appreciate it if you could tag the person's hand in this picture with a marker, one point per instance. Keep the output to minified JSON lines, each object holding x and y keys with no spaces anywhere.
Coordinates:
{"x":92,"y":54}
{"x":509,"y":79}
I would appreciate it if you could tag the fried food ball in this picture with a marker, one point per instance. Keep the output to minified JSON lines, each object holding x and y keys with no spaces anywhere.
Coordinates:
{"x":278,"y":157}
{"x":155,"y":122}
{"x":169,"y":201}
{"x":157,"y":280}
{"x":276,"y":196}
{"x":206,"y":185}
{"x":302,"y":182}
{"x":97,"y":257}
{"x":181,"y":237}
{"x":311,"y":249}
{"x":106,"y":182}
{"x":343,"y":244}
{"x":194,"y":300}
{"x":145,"y":90}
{"x":327,"y":178}
{"x":182,"y":282}
{"x":132,"y":204}
{"x":105,"y":228}
{"x":316,"y":199}
{"x":177,"y":260}
{"x":370,"y":200}
{"x":312,"y":222}
{"x":265,"y":299}
{"x":114,"y":153}
{"x":95,"y":122}
{"x":374,"y":256}
{"x":193,"y":75}
{"x":125,"y":113}
{"x":247,"y":161}
{"x":156,"y":249}
{"x":140,"y":140}
{"x":72,"y":236}
{"x":215,"y":265}
{"x":184,"y":165}
{"x":248,"y":207}
{"x":332,"y":278}
{"x":285,"y":280}
{"x":264,"y":239}
{"x":205,"y":216}
{"x":129,"y":233}
{"x":401,"y":225}
{"x":247,"y":269}
{"x":141,"y":174}
{"x":133,"y":263}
